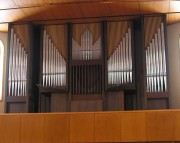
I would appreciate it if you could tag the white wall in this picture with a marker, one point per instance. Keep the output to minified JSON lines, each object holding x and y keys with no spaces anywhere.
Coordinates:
{"x":173,"y":34}
{"x":3,"y":38}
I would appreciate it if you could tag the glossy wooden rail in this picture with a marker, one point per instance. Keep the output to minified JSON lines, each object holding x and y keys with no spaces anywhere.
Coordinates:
{"x":135,"y":126}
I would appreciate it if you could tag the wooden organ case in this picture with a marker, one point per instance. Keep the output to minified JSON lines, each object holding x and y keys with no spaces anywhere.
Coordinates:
{"x":102,"y":66}
{"x":21,"y":90}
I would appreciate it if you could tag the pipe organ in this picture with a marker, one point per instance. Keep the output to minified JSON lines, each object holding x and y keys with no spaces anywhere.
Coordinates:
{"x":87,"y":59}
{"x":109,"y":65}
{"x":156,"y":63}
{"x":155,"y":53}
{"x":17,"y":66}
{"x":119,"y":57}
{"x":54,"y":59}
{"x":54,"y":64}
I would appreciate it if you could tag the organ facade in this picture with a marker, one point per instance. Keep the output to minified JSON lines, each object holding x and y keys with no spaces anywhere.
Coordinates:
{"x":99,"y":66}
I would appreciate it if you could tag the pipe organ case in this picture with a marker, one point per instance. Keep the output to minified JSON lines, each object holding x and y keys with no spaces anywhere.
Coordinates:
{"x":21,"y":91}
{"x":109,"y":65}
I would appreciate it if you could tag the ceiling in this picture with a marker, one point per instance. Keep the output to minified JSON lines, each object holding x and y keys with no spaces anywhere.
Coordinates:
{"x":88,"y":10}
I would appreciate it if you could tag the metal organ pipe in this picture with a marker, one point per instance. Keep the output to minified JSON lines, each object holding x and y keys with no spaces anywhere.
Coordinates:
{"x":54,"y":65}
{"x":156,"y":63}
{"x":17,"y":67}
{"x":120,"y":62}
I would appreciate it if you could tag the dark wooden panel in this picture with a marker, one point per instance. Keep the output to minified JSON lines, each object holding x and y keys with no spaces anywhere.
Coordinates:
{"x":95,"y":9}
{"x":86,"y":105}
{"x":59,"y":1}
{"x":58,"y":102}
{"x":157,"y":103}
{"x":114,"y":101}
{"x":16,"y":107}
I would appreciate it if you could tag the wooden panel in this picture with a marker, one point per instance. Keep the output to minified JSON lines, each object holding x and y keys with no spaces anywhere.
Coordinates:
{"x":11,"y":15}
{"x":56,"y":128}
{"x":38,"y":13}
{"x":151,"y":25}
{"x":58,"y":102}
{"x":58,"y":35}
{"x":32,"y":128}
{"x":10,"y":128}
{"x":107,"y":127}
{"x":7,"y":4}
{"x":82,"y":127}
{"x":3,"y":27}
{"x":17,"y":107}
{"x":59,"y":1}
{"x":86,"y":105}
{"x":124,"y":8}
{"x":94,"y":28}
{"x":174,"y":6}
{"x":90,"y":1}
{"x":159,"y":125}
{"x":114,"y":101}
{"x":157,"y":104}
{"x":29,"y":2}
{"x":177,"y":126}
{"x":173,"y":18}
{"x":133,"y":127}
{"x":22,"y":32}
{"x":66,"y":11}
{"x":95,"y":9}
{"x":115,"y":33}
{"x":154,"y":7}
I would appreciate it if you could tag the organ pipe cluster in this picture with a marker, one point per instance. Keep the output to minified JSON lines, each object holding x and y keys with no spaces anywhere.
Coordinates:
{"x":17,"y":82}
{"x":120,"y":62}
{"x":54,"y":64}
{"x":156,"y":63}
{"x":86,"y":50}
{"x":86,"y":79}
